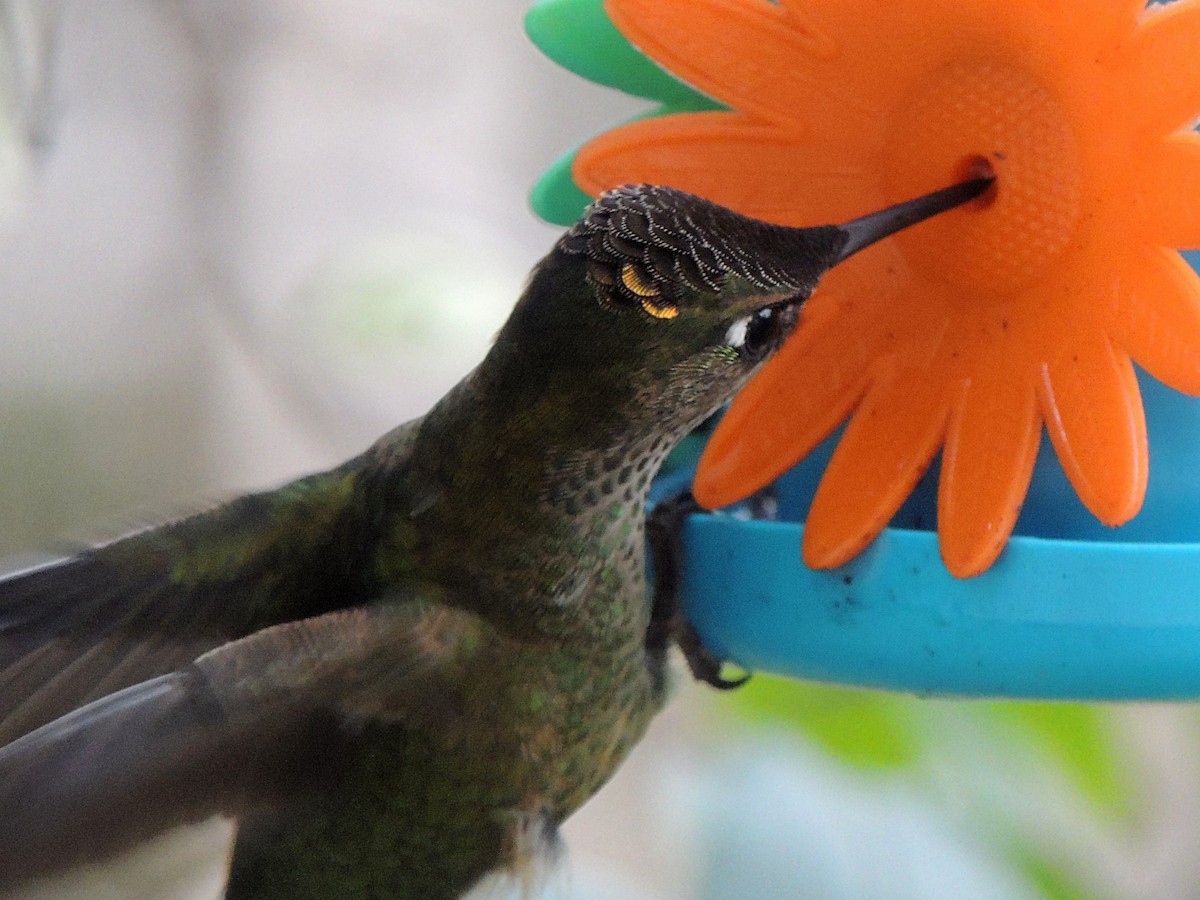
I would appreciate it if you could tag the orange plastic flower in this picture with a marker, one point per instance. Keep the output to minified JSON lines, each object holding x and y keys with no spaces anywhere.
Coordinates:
{"x":970,"y":332}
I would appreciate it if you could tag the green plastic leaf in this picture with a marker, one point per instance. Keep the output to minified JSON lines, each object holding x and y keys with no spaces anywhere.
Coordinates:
{"x":579,"y":36}
{"x":555,"y":197}
{"x":559,"y":200}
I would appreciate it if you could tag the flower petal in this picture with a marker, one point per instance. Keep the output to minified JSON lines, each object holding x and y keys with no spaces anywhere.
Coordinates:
{"x":991,"y":446}
{"x":1157,"y":319}
{"x":746,"y":54}
{"x":792,"y":405}
{"x":757,"y":169}
{"x":1093,"y":411}
{"x":887,"y":446}
{"x":1159,"y":68}
{"x":1167,"y":191}
{"x":1111,"y":21}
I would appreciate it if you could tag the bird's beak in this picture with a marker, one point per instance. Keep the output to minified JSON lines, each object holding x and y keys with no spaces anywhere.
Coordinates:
{"x":875,"y":227}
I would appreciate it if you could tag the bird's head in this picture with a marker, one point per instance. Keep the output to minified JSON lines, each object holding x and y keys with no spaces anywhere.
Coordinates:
{"x":663,"y":304}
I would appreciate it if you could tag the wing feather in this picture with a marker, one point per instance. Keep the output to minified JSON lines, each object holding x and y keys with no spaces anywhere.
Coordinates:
{"x":78,"y":629}
{"x":254,"y":725}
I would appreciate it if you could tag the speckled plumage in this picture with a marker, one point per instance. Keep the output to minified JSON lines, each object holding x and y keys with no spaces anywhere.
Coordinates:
{"x":401,"y":674}
{"x":676,"y":244}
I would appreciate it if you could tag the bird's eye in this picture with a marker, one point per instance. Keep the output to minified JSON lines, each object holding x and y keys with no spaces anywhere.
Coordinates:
{"x":756,"y":335}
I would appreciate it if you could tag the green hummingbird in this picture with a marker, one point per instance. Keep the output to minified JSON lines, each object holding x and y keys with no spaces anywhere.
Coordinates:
{"x":402,"y":674}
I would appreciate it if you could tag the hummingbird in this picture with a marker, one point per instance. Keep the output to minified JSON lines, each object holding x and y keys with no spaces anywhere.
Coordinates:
{"x":402,"y":674}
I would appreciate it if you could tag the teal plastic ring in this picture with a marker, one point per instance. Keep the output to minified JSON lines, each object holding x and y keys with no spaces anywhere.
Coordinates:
{"x":1072,"y":610}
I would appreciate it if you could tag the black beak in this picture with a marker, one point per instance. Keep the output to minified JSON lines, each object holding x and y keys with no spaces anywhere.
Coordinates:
{"x":875,"y":227}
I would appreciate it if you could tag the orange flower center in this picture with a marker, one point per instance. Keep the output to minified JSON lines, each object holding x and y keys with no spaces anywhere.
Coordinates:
{"x":975,"y":113}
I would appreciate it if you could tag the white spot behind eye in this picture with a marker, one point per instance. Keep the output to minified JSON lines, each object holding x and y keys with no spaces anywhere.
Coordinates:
{"x":736,"y":335}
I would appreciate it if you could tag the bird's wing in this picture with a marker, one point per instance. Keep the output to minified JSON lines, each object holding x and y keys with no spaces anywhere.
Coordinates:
{"x":84,"y":627}
{"x":263,"y":720}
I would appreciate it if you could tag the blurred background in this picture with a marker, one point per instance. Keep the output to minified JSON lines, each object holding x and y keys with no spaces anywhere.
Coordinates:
{"x":238,"y":241}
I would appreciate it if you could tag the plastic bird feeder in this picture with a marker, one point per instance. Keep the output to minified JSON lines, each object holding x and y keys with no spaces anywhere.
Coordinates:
{"x":966,"y":339}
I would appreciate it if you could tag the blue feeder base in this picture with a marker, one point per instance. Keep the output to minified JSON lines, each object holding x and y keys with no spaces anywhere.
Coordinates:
{"x":1071,"y":610}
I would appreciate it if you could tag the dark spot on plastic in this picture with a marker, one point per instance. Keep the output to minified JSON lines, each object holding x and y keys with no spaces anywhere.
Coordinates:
{"x":979,"y":166}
